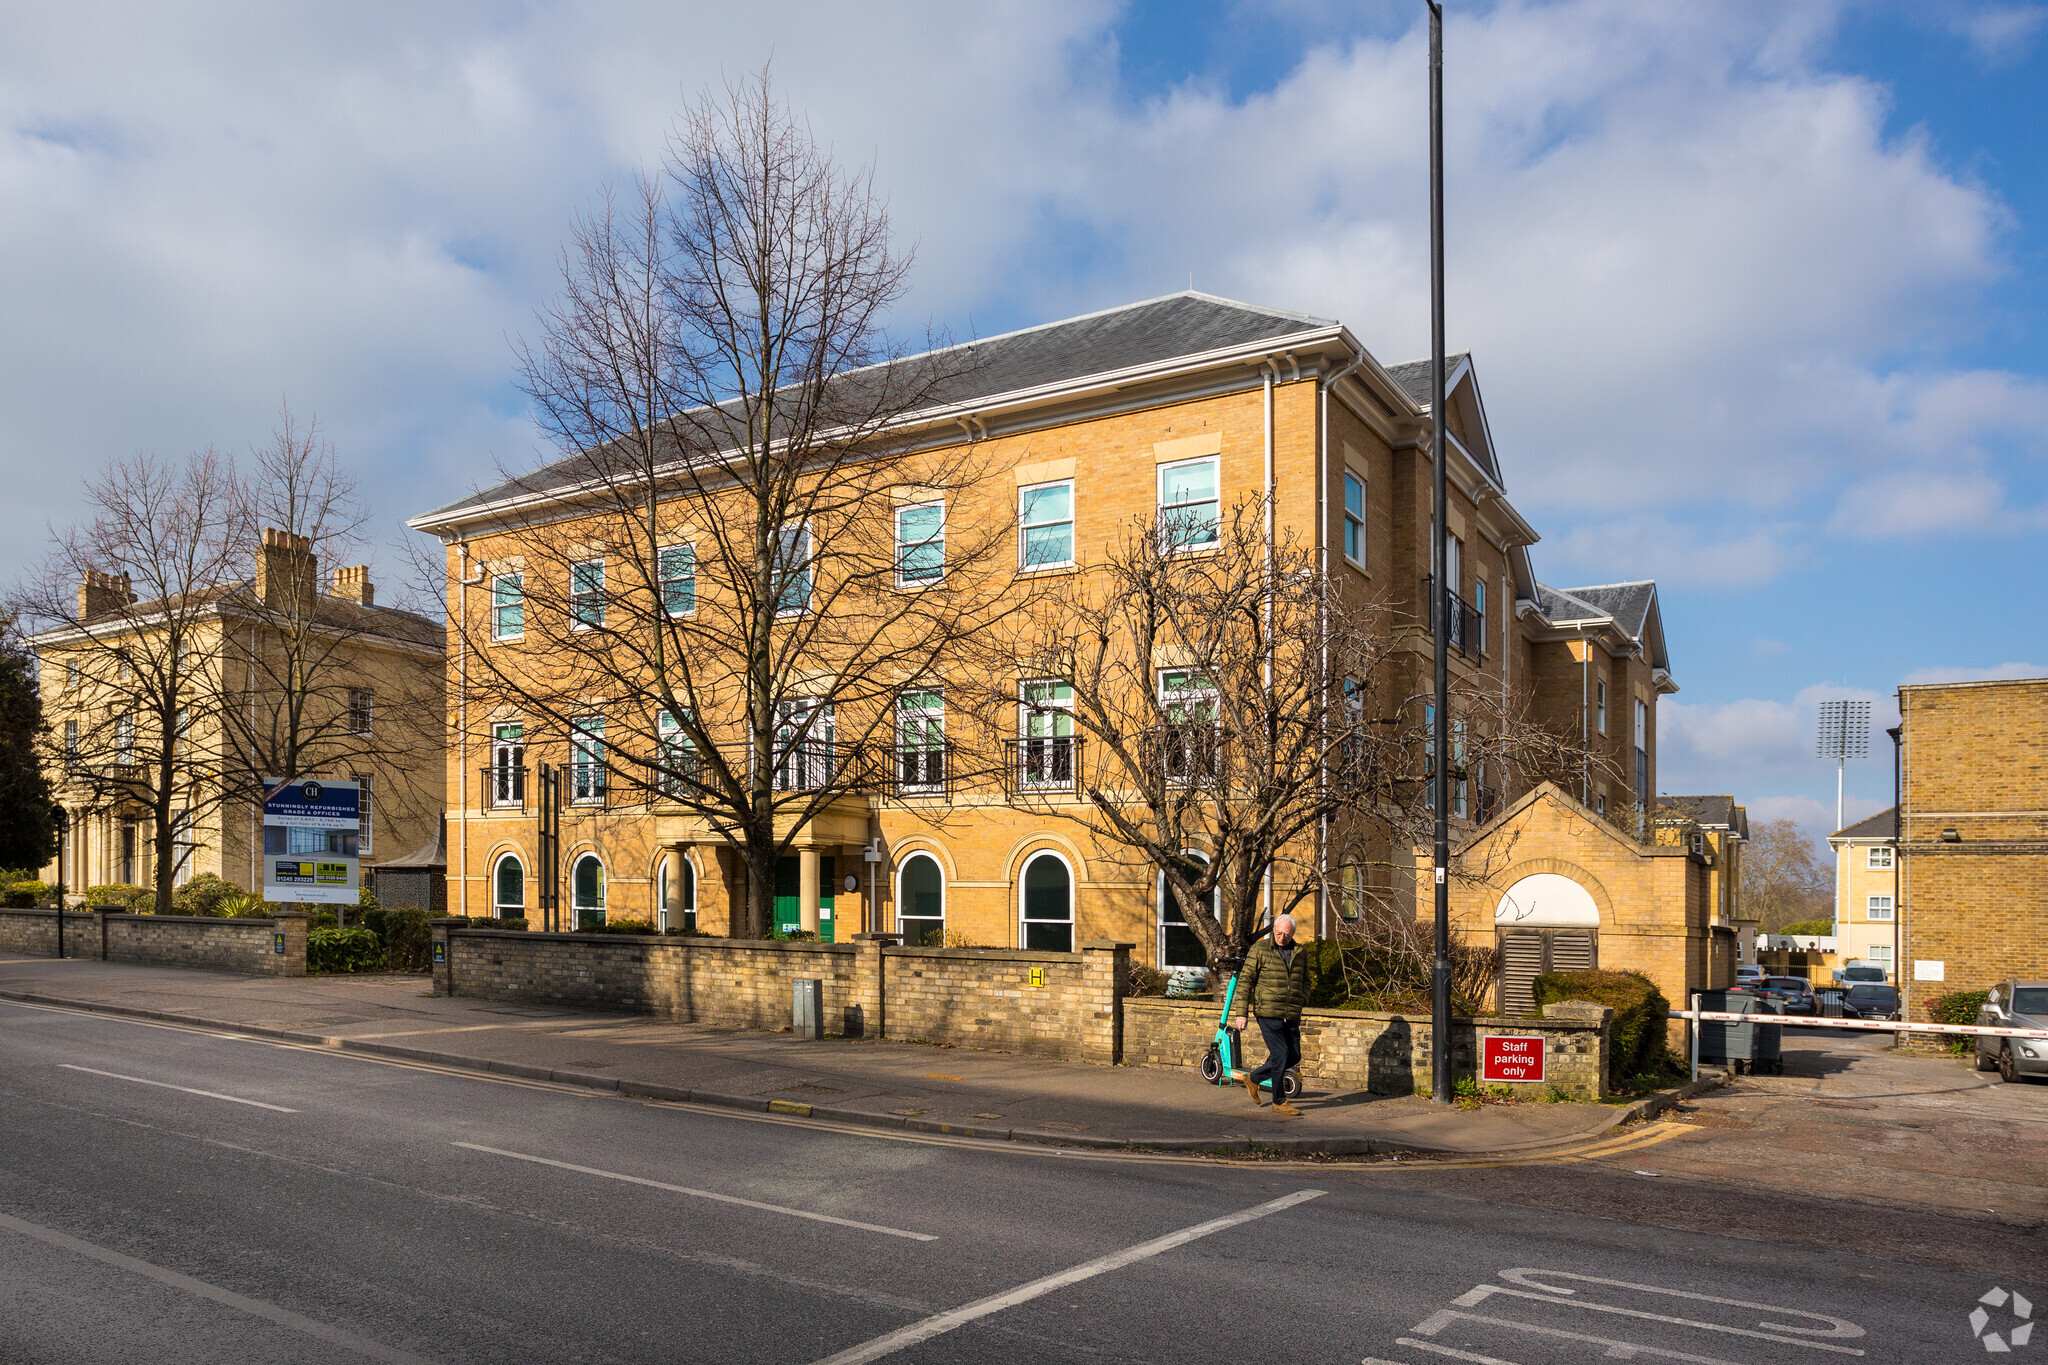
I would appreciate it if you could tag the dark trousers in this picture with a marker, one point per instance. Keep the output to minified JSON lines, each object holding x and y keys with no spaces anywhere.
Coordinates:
{"x":1283,"y":1048}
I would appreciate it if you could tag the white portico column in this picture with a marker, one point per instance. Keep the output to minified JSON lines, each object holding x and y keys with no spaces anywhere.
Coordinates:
{"x":807,"y":887}
{"x":671,"y":884}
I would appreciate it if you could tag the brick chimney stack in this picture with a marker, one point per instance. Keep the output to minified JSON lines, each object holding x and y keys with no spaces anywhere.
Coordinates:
{"x":100,"y":593}
{"x":354,"y":584}
{"x":287,"y":574}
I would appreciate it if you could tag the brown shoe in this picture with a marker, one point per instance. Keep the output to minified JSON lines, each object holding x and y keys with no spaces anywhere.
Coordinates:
{"x":1251,"y":1087}
{"x":1283,"y":1107}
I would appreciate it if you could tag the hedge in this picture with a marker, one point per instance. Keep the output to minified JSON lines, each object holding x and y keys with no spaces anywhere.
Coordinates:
{"x":138,"y":899}
{"x":1957,"y":1007}
{"x":1636,"y":1042}
{"x":343,"y":950}
{"x":402,"y":936}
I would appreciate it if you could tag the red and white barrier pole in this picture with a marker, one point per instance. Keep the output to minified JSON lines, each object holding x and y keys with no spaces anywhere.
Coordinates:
{"x":1867,"y":1025}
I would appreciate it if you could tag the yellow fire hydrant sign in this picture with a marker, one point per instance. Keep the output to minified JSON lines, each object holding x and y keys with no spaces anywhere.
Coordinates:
{"x":1037,"y":976}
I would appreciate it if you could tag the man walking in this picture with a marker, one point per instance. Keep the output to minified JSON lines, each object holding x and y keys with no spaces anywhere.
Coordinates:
{"x":1274,"y":985}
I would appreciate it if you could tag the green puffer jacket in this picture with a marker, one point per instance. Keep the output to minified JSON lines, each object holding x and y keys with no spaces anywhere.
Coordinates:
{"x":1269,"y":987}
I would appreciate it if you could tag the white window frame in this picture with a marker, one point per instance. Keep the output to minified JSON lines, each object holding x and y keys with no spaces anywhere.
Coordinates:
{"x":1073,"y":889}
{"x":1879,"y":914}
{"x":1165,"y":509}
{"x":603,"y":889}
{"x":1600,"y":705}
{"x":813,"y":761}
{"x":1164,"y":901}
{"x":124,"y":739}
{"x":676,"y":750}
{"x":183,"y":846}
{"x":508,"y":763}
{"x":365,"y":820}
{"x":1354,"y":522}
{"x":801,"y":551}
{"x":361,"y":710}
{"x":1878,"y":858}
{"x":71,"y":673}
{"x":1055,"y":716}
{"x":1025,"y":528}
{"x":1879,"y":953}
{"x":1479,"y":607}
{"x":499,"y":605}
{"x":902,"y":870}
{"x":921,"y":727}
{"x":665,"y":580}
{"x":498,"y":904}
{"x":586,"y":603}
{"x":587,"y":775}
{"x":904,"y":548}
{"x":1200,"y":687}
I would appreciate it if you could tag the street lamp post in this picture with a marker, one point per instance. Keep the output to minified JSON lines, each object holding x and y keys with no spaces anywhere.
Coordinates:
{"x":1439,"y":590}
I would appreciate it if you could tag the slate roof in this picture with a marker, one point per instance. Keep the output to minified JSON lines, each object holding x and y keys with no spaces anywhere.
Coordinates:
{"x":1878,"y":826}
{"x":1149,"y":332}
{"x":342,"y":613}
{"x":1717,"y":812}
{"x":1628,"y":603}
{"x":1413,"y":376}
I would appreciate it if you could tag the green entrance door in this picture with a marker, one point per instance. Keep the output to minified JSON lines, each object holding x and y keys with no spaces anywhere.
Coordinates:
{"x":825,"y":889}
{"x":789,"y":905}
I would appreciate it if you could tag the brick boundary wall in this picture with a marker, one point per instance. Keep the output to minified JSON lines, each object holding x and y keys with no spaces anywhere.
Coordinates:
{"x":1387,"y":1054}
{"x":1004,"y":1000}
{"x":245,"y":946}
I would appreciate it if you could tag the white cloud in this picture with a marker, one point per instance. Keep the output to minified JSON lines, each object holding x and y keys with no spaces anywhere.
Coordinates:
{"x":2001,"y":34}
{"x":1651,"y":545}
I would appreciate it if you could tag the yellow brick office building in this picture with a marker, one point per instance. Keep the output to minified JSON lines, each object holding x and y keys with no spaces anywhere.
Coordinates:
{"x":1084,"y":422}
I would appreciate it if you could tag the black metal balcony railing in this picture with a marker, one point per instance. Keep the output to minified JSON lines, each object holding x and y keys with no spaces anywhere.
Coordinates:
{"x":1043,"y":765}
{"x":1185,"y":753}
{"x":917,"y":770}
{"x":1467,"y":631}
{"x":503,"y":787}
{"x":806,"y":767}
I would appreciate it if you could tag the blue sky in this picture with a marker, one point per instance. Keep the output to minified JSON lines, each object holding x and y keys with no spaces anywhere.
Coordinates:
{"x":1757,"y":292}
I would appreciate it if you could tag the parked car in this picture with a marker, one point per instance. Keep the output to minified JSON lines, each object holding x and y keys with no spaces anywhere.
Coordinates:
{"x":1870,"y":1002}
{"x":1793,"y":994}
{"x":1861,"y":973}
{"x":2014,"y":1004}
{"x":1748,"y":975}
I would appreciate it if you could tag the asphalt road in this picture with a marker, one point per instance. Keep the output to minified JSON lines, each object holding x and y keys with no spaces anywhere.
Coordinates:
{"x":169,"y":1195}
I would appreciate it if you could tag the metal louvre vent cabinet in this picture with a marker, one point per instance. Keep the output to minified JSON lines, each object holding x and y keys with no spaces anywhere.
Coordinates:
{"x":1526,"y":954}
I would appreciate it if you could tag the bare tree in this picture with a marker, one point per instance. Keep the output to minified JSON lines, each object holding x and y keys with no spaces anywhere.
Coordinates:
{"x":1783,"y":879}
{"x":318,"y":678}
{"x":1226,"y":715}
{"x":750,"y":562}
{"x":124,"y":603}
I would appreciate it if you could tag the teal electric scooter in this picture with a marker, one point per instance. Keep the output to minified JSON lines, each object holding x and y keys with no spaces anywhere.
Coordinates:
{"x":1223,"y":1063}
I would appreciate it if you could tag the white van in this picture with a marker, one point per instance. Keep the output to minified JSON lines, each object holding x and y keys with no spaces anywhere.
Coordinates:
{"x":1861,"y":973}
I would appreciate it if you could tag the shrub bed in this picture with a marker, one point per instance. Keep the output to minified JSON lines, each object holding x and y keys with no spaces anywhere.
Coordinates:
{"x":343,"y":950}
{"x":403,"y":936}
{"x":138,"y":900}
{"x":1635,"y":1042}
{"x":623,"y":926}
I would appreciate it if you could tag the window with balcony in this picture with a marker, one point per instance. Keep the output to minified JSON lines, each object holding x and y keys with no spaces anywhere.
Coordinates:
{"x":508,"y":606}
{"x":921,"y":742}
{"x":920,"y":544}
{"x":1190,"y":509}
{"x":508,"y":765}
{"x":1045,"y":519}
{"x":676,"y":567}
{"x":586,"y":594}
{"x":124,"y":739}
{"x":1045,"y":735}
{"x":677,"y":756}
{"x":586,"y":761}
{"x":1354,"y":518}
{"x":1190,"y":741}
{"x":804,"y":742}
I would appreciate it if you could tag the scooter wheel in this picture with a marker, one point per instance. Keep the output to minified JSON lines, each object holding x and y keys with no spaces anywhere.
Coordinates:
{"x":1290,"y":1084}
{"x":1212,"y":1067}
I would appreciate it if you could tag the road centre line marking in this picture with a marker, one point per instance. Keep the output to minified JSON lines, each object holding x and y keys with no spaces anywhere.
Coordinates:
{"x":941,"y":1323}
{"x":698,"y":1194}
{"x":186,"y":1089}
{"x":1477,"y":1295}
{"x":283,"y":1317}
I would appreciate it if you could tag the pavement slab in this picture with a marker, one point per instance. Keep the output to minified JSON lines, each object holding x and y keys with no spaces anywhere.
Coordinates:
{"x":915,"y":1084}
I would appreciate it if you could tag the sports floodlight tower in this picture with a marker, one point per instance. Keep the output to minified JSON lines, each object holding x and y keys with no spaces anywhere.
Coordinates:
{"x":1844,"y":734}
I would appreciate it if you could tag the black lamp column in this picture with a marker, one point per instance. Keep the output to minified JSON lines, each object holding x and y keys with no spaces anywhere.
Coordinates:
{"x":1439,"y":590}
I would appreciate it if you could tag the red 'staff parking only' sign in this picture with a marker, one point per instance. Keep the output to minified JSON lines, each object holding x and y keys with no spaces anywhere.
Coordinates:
{"x":1511,"y":1059}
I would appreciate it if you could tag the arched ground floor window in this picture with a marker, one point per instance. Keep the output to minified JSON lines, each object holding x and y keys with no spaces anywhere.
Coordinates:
{"x":1178,"y":946}
{"x":1046,"y":904}
{"x":509,"y":888}
{"x":586,"y":891}
{"x":676,"y":904}
{"x":921,"y":902}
